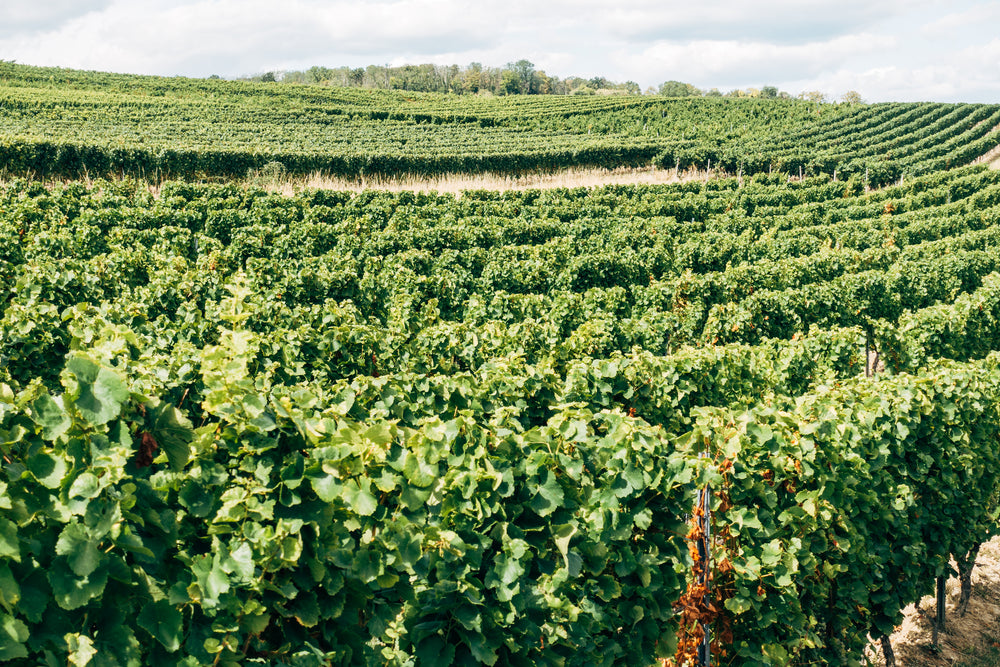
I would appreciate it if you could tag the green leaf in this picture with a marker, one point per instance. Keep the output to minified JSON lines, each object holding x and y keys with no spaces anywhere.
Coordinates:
{"x":100,"y":393}
{"x":101,"y":517}
{"x":79,"y":549}
{"x":305,"y":608}
{"x":574,"y":431}
{"x":198,"y":501}
{"x":366,"y":564}
{"x":608,"y":588}
{"x":164,"y":622}
{"x":434,"y":651}
{"x":562,"y":536}
{"x":469,"y":617}
{"x":240,"y":562}
{"x":35,"y":596}
{"x":548,"y":496}
{"x":49,"y":470}
{"x":409,"y":548}
{"x":413,"y":498}
{"x":481,"y":650}
{"x":255,"y":623}
{"x":10,"y":546}
{"x":49,"y":414}
{"x":760,"y":434}
{"x":211,"y":577}
{"x":387,"y":482}
{"x":86,"y":485}
{"x":10,"y":590}
{"x":380,"y":433}
{"x":71,"y":591}
{"x":667,"y":645}
{"x":776,"y":653}
{"x":771,"y":553}
{"x":81,"y":649}
{"x":418,"y":472}
{"x":357,"y":494}
{"x":172,"y":431}
{"x":13,"y":634}
{"x":328,"y":488}
{"x":738,"y":604}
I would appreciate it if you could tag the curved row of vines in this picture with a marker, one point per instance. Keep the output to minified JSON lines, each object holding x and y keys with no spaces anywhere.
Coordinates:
{"x":241,"y":428}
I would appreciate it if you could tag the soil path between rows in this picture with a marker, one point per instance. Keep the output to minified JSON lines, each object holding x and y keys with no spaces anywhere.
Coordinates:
{"x":456,"y":183}
{"x":976,"y":633}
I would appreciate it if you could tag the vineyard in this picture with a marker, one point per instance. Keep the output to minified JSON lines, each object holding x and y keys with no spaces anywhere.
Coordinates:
{"x":418,"y":429}
{"x":65,"y":123}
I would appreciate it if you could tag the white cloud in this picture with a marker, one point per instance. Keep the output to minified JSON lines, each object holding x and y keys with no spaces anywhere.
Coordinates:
{"x":777,"y":21}
{"x":246,"y":35}
{"x":886,"y":49}
{"x":21,"y":16}
{"x":728,"y":63}
{"x":958,"y":24}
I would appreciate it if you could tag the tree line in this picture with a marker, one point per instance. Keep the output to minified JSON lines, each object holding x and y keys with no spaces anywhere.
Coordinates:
{"x":514,"y":78}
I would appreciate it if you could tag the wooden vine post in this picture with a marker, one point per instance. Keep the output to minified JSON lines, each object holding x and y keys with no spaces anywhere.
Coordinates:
{"x":701,"y":607}
{"x":703,"y":517}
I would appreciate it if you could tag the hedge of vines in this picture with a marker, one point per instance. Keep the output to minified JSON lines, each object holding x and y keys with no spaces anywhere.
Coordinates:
{"x":243,"y":428}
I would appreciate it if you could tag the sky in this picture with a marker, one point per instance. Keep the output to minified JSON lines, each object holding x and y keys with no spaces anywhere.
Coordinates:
{"x":887,"y":50}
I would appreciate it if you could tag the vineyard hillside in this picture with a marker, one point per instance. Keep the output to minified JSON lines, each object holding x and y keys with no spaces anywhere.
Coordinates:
{"x":69,"y":123}
{"x":564,"y":426}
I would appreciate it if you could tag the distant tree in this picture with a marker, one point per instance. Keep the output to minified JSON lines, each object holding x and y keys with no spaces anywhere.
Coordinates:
{"x":559,"y":86}
{"x":714,"y":92}
{"x":769,"y":92}
{"x":678,"y":89}
{"x":517,"y":78}
{"x":813,"y":96}
{"x":852,"y":97}
{"x":542,"y":83}
{"x":523,"y":71}
{"x":316,"y":74}
{"x":470,"y":79}
{"x":454,"y":81}
{"x":374,"y":76}
{"x":510,"y":83}
{"x":340,"y":76}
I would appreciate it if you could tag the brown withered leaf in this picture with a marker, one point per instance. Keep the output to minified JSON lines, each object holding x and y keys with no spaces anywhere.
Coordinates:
{"x":147,"y":450}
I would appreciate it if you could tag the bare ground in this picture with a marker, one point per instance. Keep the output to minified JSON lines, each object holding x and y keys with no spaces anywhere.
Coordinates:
{"x":456,"y":183}
{"x":964,"y":638}
{"x":991,"y":156}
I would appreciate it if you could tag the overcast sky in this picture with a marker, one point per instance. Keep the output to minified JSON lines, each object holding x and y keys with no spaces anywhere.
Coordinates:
{"x":901,"y":50}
